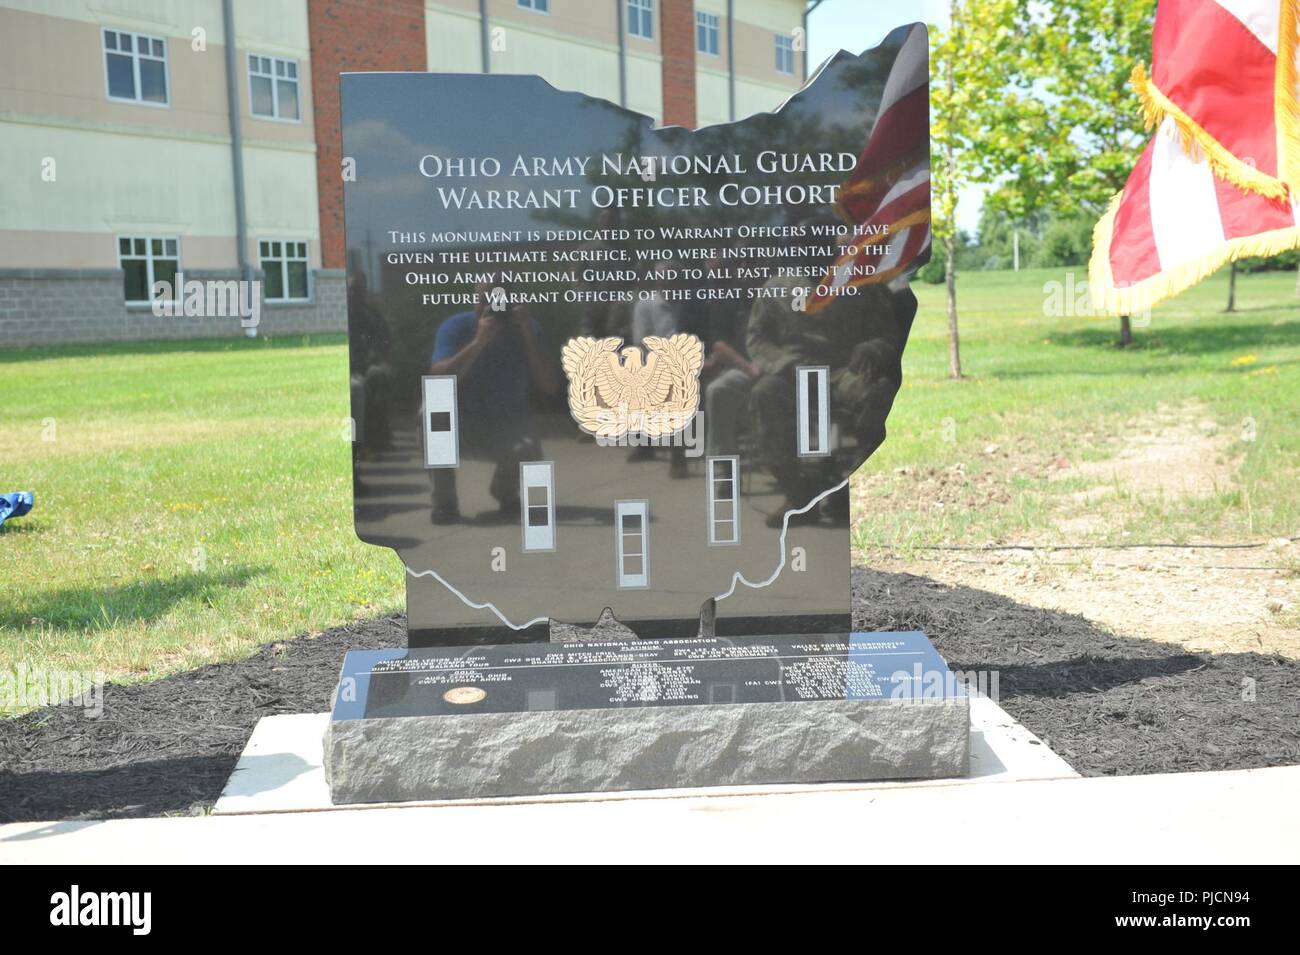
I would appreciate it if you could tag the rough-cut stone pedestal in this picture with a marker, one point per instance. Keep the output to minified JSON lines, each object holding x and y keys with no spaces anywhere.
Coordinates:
{"x":408,"y":737}
{"x":510,"y":754}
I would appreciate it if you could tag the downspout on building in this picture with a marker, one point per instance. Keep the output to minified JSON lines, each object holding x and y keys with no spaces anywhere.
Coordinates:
{"x":236,"y":149}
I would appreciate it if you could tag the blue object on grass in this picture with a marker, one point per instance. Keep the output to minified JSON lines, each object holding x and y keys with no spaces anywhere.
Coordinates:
{"x":15,"y":505}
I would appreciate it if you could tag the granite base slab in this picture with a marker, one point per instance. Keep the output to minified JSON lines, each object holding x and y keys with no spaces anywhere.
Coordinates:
{"x":498,"y":754}
{"x":480,"y":722}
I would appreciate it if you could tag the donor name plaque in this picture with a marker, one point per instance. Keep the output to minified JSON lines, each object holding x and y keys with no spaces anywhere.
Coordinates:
{"x":504,"y":720}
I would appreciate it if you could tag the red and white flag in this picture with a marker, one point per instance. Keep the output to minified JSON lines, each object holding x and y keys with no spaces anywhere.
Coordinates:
{"x":887,"y":196}
{"x":1218,"y":181}
{"x":1225,"y":72}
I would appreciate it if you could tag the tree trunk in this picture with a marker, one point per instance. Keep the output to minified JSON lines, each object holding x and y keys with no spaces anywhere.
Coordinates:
{"x":1125,"y":332}
{"x":950,"y":204}
{"x":1232,"y":288}
{"x":954,"y":342}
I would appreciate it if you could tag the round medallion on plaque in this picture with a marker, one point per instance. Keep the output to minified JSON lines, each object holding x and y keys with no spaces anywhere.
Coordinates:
{"x":464,"y":694}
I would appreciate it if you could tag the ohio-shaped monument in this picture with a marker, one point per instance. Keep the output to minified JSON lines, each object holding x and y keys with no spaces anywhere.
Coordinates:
{"x":599,"y":365}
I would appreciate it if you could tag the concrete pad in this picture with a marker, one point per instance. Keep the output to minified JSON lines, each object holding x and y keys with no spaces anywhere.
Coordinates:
{"x":1247,"y":816}
{"x":280,"y":769}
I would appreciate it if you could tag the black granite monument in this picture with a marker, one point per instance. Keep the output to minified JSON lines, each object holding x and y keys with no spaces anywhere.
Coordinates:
{"x":599,"y":364}
{"x":603,"y":368}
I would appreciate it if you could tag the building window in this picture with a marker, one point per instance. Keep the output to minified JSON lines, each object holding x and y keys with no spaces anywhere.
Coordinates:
{"x":724,"y":514}
{"x":632,"y":541}
{"x":784,"y":54}
{"x":146,"y":260}
{"x":273,"y":87}
{"x":136,"y":67}
{"x":640,"y":18}
{"x":706,"y":32}
{"x":285,"y":267}
{"x":441,"y":426}
{"x":537,"y":6}
{"x":813,"y":413}
{"x":537,"y":504}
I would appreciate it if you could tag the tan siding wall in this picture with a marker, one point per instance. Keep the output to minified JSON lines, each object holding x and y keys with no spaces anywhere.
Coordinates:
{"x":55,"y":67}
{"x":123,"y":168}
{"x":592,"y":20}
{"x":451,"y":37}
{"x":573,"y":47}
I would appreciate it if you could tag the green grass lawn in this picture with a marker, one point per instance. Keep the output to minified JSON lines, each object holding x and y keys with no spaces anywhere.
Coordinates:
{"x":193,"y":499}
{"x":1045,"y":389}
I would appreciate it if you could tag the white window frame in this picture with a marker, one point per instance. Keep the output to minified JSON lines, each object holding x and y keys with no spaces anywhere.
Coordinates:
{"x":625,"y":580}
{"x":784,"y":48}
{"x":711,"y":24}
{"x":149,"y":258}
{"x":283,"y":262}
{"x":532,"y":6}
{"x":275,"y":116}
{"x":165,"y":59}
{"x":638,"y":12}
{"x":441,"y":448}
{"x":733,"y":462}
{"x":534,"y":475}
{"x":803,"y":376}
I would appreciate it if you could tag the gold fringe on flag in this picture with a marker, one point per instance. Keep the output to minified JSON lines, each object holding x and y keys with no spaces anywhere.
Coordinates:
{"x":1140,"y":296}
{"x":1287,"y":92}
{"x":1156,"y":107}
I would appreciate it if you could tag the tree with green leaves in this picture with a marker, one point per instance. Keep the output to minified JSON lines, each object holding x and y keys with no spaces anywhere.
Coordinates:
{"x":1065,"y":128}
{"x":967,"y":68}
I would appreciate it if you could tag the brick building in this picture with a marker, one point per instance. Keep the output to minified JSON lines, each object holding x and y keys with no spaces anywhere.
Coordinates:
{"x":124,"y":161}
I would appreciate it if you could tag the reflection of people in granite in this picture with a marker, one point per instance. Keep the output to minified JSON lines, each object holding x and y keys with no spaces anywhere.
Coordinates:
{"x":727,"y":373}
{"x":605,"y":319}
{"x":859,"y":339}
{"x":370,"y":372}
{"x":657,"y":315}
{"x":498,"y":361}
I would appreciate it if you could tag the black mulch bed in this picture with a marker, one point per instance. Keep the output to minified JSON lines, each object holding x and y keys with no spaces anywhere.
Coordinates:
{"x":1109,"y":705}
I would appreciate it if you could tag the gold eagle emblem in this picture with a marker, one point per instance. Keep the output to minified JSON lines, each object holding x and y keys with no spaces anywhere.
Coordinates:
{"x":614,"y":391}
